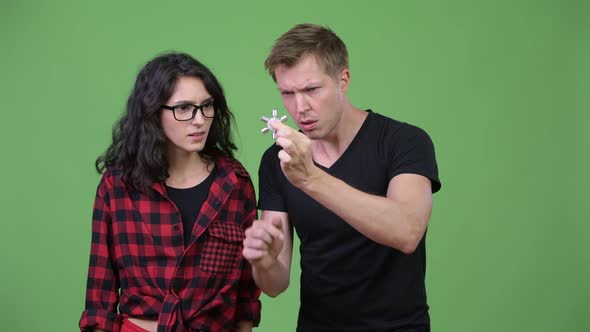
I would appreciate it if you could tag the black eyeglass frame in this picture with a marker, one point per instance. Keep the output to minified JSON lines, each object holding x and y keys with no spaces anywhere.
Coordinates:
{"x":195,"y":109}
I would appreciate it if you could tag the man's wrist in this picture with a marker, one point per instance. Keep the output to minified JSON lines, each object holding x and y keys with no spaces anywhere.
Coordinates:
{"x":313,"y":181}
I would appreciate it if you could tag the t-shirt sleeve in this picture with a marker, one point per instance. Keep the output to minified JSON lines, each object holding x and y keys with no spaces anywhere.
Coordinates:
{"x":411,"y":151}
{"x":269,"y":174}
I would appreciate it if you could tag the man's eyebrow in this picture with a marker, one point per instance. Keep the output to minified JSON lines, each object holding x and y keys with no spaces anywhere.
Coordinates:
{"x":308,"y":85}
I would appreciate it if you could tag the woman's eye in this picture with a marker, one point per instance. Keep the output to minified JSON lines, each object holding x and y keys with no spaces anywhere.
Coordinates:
{"x":184,"y":108}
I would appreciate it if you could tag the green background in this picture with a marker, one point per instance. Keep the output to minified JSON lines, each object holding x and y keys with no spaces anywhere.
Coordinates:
{"x":503,"y":88}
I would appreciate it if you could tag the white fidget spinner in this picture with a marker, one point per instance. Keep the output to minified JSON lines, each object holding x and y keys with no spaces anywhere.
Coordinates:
{"x":274,"y":116}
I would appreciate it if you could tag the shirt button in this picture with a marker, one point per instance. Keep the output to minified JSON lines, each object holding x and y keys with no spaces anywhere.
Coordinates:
{"x":176,"y":228}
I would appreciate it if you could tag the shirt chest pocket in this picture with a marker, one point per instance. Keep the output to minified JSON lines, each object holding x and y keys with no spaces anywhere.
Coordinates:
{"x":222,"y":250}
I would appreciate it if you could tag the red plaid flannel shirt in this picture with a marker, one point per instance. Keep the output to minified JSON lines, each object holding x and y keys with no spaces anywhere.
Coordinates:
{"x":139,"y":266}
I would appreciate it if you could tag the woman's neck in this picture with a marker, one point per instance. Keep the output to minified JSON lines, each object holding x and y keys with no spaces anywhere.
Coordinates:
{"x":187,"y":170}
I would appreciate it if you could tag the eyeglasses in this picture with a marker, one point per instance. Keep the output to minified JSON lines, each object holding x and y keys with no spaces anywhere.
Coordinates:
{"x":187,"y":112}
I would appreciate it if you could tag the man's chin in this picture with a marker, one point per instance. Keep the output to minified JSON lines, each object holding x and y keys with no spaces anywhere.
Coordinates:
{"x":312,"y":134}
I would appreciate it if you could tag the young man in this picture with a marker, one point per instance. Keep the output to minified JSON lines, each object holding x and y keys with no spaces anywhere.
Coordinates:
{"x":356,"y":186}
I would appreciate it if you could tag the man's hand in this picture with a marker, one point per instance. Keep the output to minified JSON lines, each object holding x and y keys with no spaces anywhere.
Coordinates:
{"x":263,"y":243}
{"x":296,"y":155}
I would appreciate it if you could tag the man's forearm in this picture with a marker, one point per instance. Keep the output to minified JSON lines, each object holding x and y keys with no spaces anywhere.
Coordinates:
{"x":397,"y":223}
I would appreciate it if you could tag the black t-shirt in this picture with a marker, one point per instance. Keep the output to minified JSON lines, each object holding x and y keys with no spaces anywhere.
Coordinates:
{"x":189,"y":202}
{"x":349,"y":282}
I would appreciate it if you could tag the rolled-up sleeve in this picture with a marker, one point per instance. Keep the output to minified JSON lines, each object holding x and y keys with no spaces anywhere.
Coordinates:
{"x":248,"y":307}
{"x":102,"y":289}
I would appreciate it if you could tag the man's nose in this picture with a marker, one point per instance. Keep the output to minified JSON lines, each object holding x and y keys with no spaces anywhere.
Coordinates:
{"x":301,"y":104}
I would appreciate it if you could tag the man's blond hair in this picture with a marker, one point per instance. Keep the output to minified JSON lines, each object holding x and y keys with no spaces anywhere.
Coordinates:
{"x":308,"y":39}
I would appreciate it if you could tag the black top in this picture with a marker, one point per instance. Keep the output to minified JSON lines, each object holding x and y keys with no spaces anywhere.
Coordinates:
{"x":349,"y":282}
{"x":189,"y":202}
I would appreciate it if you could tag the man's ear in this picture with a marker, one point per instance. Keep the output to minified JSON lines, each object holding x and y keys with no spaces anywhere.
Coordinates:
{"x":344,"y":80}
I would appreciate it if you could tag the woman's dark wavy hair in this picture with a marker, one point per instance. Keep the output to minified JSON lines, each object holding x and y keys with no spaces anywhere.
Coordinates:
{"x":138,"y":146}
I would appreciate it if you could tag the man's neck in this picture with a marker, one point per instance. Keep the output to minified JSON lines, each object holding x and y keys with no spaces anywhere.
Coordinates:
{"x":328,"y":149}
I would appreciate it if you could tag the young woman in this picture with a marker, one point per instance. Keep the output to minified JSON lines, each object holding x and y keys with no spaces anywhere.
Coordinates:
{"x":171,"y":210}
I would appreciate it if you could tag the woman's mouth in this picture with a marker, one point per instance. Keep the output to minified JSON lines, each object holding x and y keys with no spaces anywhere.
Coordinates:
{"x":197,"y":136}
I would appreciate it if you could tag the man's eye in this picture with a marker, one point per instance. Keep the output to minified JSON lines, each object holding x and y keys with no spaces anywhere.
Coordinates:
{"x":287,"y":93}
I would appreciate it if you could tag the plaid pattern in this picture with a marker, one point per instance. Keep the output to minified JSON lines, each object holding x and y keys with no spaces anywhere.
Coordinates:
{"x":222,"y":248}
{"x":139,"y":266}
